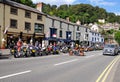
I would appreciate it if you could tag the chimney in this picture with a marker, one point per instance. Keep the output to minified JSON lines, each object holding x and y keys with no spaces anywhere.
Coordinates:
{"x":68,"y":20}
{"x":39,"y":6}
{"x":78,"y":22}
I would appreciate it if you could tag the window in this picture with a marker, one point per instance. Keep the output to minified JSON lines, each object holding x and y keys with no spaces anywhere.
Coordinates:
{"x":95,"y":39}
{"x":60,"y":24}
{"x":98,"y":39}
{"x":95,"y":34}
{"x":68,"y":35}
{"x":92,"y":39}
{"x":39,"y":28}
{"x":78,"y":36}
{"x":13,"y":23}
{"x":98,"y":35}
{"x":60,"y":34}
{"x":86,"y":36}
{"x":27,"y":26}
{"x":53,"y":31}
{"x":86,"y":30}
{"x":77,"y":28}
{"x":39,"y":17}
{"x":14,"y":10}
{"x":27,"y":14}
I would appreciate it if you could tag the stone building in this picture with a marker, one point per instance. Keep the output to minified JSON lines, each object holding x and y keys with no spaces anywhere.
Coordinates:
{"x":20,"y":21}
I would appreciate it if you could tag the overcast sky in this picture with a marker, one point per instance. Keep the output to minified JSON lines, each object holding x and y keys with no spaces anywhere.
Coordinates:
{"x":109,"y":5}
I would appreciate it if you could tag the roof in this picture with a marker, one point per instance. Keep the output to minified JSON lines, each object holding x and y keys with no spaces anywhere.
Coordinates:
{"x":18,"y":5}
{"x":60,"y":19}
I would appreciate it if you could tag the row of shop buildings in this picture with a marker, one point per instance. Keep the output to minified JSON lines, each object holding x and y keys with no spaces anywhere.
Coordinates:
{"x":18,"y":21}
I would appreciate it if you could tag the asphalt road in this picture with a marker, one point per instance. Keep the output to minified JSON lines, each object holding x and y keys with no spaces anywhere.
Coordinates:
{"x":55,"y":68}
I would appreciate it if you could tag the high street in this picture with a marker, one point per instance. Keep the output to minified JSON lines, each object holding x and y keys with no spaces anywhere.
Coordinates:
{"x":94,"y":67}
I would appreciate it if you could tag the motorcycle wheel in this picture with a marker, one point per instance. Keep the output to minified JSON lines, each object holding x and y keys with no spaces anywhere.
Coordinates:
{"x":16,"y":56}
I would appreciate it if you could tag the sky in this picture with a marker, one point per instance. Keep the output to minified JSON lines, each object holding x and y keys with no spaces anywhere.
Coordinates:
{"x":109,"y":5}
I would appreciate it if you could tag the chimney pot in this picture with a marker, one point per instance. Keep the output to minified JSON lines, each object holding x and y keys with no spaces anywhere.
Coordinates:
{"x":39,"y":6}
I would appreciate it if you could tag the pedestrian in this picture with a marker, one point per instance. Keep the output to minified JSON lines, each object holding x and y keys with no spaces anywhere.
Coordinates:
{"x":24,"y":43}
{"x":36,"y":44}
{"x":12,"y":44}
{"x":19,"y":44}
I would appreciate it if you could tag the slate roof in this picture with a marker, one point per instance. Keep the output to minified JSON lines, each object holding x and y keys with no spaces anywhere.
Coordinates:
{"x":18,"y":5}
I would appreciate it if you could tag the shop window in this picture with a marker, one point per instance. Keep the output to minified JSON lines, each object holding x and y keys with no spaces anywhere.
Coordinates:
{"x":53,"y":31}
{"x":39,"y":17}
{"x":13,"y":23}
{"x":27,"y":26}
{"x":27,"y":14}
{"x":68,"y":35}
{"x":39,"y":28}
{"x":14,"y":10}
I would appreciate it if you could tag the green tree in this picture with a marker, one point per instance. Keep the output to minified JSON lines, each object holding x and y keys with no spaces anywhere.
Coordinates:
{"x":26,"y":2}
{"x":111,"y":31}
{"x":86,"y":13}
{"x":117,"y":37}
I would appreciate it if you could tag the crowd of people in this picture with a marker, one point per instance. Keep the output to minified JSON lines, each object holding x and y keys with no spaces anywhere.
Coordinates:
{"x":56,"y":46}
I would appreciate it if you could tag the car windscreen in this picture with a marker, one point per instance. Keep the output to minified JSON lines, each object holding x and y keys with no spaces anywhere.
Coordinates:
{"x":109,"y":46}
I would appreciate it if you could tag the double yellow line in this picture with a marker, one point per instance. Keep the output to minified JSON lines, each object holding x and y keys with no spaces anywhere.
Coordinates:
{"x":106,"y":72}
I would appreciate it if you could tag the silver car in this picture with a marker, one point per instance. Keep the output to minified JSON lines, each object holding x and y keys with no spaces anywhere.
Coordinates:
{"x":110,"y":49}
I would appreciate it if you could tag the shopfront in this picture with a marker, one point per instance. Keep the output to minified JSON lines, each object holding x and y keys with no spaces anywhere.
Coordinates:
{"x":14,"y":37}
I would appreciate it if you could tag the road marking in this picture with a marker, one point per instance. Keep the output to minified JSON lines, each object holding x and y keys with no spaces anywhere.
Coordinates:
{"x":6,"y":76}
{"x":109,"y":70}
{"x":66,"y":62}
{"x":105,"y":73}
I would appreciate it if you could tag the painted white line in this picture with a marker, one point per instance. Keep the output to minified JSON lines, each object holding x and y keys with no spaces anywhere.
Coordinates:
{"x":65,"y":62}
{"x":6,"y":76}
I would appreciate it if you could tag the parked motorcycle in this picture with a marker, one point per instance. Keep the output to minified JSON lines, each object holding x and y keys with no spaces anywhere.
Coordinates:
{"x":55,"y":50}
{"x":14,"y":52}
{"x":64,"y":49}
{"x":50,"y":50}
{"x":38,"y":51}
{"x":44,"y":51}
{"x":24,"y":51}
{"x":32,"y":50}
{"x":76,"y":52}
